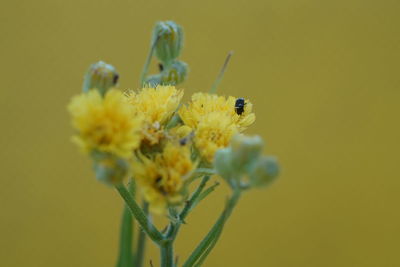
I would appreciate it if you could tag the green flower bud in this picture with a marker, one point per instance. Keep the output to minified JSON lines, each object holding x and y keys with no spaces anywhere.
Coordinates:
{"x":100,"y":76}
{"x":265,"y":171}
{"x":245,"y":152}
{"x":169,"y":38}
{"x":153,"y":80}
{"x":111,"y":170}
{"x":242,"y":165}
{"x":175,"y":74}
{"x":223,"y":163}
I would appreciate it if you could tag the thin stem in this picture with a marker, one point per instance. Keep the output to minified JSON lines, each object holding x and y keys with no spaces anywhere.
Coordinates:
{"x":126,"y":235}
{"x":206,"y":192}
{"x":148,"y":60}
{"x":167,"y":254}
{"x":207,"y":171}
{"x":139,"y":215}
{"x":214,"y":87}
{"x":193,"y":198}
{"x":125,"y":246}
{"x":141,"y":244}
{"x":208,"y":243}
{"x":173,"y":229}
{"x":233,"y":202}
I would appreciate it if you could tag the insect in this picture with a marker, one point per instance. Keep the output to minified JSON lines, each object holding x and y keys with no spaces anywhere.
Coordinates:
{"x":160,"y":67}
{"x":239,"y":106}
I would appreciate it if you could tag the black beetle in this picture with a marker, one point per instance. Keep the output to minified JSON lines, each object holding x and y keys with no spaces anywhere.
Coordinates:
{"x":239,"y":106}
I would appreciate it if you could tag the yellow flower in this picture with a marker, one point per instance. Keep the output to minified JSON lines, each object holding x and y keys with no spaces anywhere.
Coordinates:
{"x":162,"y":177}
{"x":156,"y":105}
{"x":214,"y":121}
{"x":203,"y":103}
{"x":105,"y":124}
{"x":214,"y":131}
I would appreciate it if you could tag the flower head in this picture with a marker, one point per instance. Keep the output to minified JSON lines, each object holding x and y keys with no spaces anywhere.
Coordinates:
{"x":214,"y":120}
{"x":214,"y":131}
{"x":162,"y":177}
{"x":156,"y":105}
{"x":105,"y":124}
{"x":203,"y":104}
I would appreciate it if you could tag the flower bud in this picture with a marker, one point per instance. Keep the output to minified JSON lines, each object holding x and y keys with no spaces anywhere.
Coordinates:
{"x":176,"y":73}
{"x":111,"y":170}
{"x":265,"y":171}
{"x":223,"y":163}
{"x":169,"y":38}
{"x":100,"y":76}
{"x":153,"y":80}
{"x":245,"y":152}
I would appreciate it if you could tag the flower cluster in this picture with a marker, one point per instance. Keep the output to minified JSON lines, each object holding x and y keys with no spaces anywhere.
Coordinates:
{"x":163,"y":145}
{"x":149,"y":134}
{"x":133,"y":126}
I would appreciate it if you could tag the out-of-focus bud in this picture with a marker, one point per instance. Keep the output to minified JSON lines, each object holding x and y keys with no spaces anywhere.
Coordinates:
{"x":176,"y":73}
{"x":169,"y":38}
{"x":245,"y":152}
{"x":111,"y":170}
{"x":153,"y":80}
{"x":242,"y":165}
{"x":265,"y":171}
{"x":223,"y":164}
{"x":100,"y":76}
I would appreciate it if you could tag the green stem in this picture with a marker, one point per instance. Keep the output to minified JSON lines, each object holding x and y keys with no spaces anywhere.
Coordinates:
{"x":139,"y":215}
{"x":148,"y":60}
{"x":214,"y":87}
{"x":126,"y":236}
{"x":125,"y":246}
{"x":173,"y":229}
{"x":141,"y":244}
{"x":193,"y":198}
{"x":206,"y":171}
{"x":167,"y":254}
{"x":208,"y":243}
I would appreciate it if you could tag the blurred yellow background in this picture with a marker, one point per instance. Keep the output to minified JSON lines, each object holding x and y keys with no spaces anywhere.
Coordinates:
{"x":324,"y":79}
